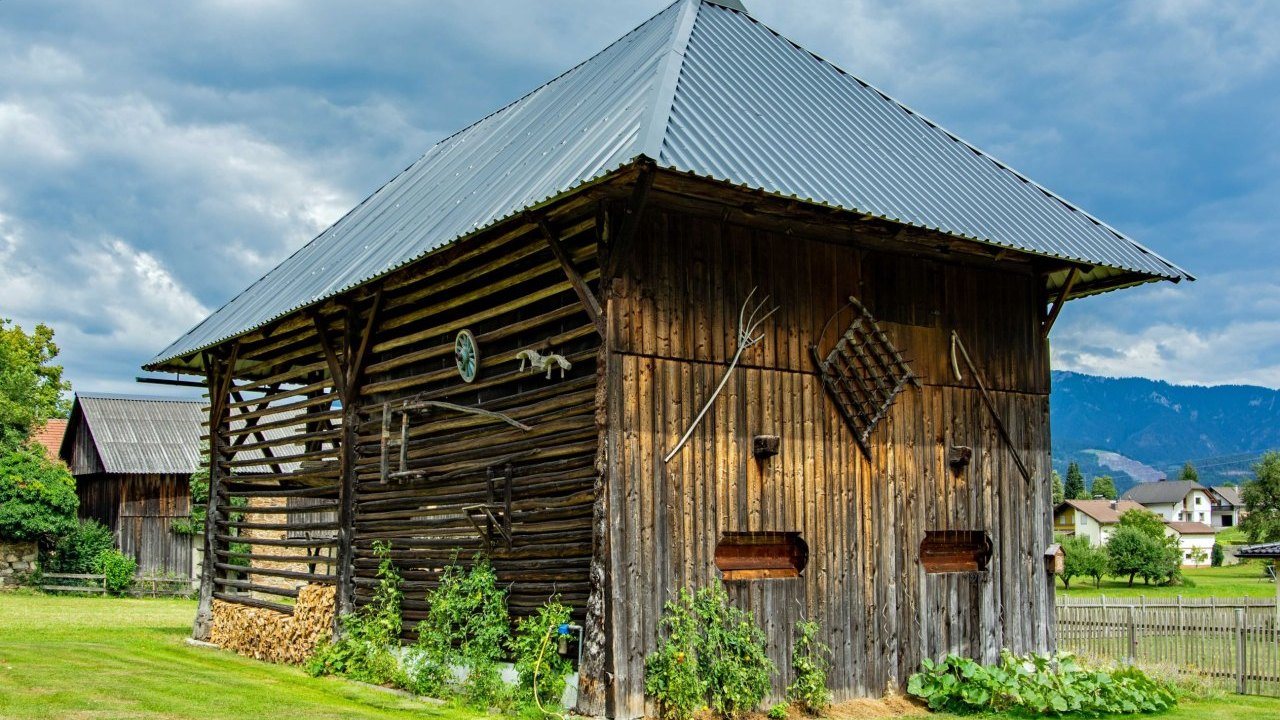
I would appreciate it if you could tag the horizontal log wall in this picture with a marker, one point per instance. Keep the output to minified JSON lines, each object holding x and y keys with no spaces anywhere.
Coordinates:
{"x":671,"y":332}
{"x":512,"y":294}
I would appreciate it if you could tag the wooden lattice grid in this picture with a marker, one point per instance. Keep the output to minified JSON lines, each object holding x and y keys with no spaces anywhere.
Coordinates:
{"x":863,"y":374}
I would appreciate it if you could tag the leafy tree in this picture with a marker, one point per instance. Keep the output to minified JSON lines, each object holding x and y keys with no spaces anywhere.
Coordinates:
{"x":1132,"y":553}
{"x":1218,"y":556}
{"x":1081,"y":559}
{"x":1074,"y":488}
{"x":1145,"y":521}
{"x":31,"y":386}
{"x":1104,"y":486}
{"x":1058,"y":495}
{"x":37,"y":496}
{"x":1261,"y":497}
{"x":1189,"y":472}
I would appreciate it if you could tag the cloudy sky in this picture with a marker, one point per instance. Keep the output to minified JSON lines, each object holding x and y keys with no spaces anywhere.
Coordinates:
{"x":149,"y":149}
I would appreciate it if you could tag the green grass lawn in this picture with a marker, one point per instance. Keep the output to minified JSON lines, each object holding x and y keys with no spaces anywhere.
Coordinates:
{"x":1244,"y":580}
{"x":101,"y":658}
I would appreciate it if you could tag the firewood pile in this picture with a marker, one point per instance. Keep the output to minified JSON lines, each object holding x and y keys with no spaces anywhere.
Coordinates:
{"x":265,"y":634}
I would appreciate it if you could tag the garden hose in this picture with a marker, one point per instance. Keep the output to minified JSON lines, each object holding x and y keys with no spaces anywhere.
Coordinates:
{"x":537,"y":665}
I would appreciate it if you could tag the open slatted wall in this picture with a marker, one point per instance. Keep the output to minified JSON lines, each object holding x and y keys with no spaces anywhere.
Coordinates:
{"x":280,"y":444}
{"x":512,"y":294}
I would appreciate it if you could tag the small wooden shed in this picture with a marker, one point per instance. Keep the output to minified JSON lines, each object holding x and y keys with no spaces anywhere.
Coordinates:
{"x":704,"y":306}
{"x":132,"y":458}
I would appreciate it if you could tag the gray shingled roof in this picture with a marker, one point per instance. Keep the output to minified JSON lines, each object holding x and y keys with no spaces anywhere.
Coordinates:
{"x":1164,"y":491}
{"x":700,"y":89}
{"x":1230,"y":494}
{"x":1265,"y":550}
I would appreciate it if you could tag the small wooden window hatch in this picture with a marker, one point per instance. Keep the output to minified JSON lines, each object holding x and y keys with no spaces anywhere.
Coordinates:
{"x":761,"y":555}
{"x":955,"y":551}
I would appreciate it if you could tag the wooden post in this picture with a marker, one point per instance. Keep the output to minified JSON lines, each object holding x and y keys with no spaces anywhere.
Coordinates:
{"x":218,"y":373}
{"x":1133,"y":634}
{"x":1240,"y":654}
{"x":593,"y":673}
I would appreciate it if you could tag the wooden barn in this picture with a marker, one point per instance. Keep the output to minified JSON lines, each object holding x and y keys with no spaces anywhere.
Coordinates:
{"x":704,"y":306}
{"x":132,"y":458}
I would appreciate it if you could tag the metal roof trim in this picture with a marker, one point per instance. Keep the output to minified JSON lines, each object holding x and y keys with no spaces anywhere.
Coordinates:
{"x":971,"y":147}
{"x":159,"y":362}
{"x":1149,"y":277}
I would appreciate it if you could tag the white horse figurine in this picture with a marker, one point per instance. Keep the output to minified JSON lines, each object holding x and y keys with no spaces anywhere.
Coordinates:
{"x":537,"y":361}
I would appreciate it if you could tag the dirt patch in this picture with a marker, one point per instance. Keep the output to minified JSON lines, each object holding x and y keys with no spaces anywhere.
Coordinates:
{"x":889,"y":706}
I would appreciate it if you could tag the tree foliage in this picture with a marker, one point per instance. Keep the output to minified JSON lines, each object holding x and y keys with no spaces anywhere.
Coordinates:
{"x":1132,"y":553}
{"x":1074,"y":488}
{"x":1058,"y":494}
{"x":1103,"y":486}
{"x":1189,"y":472}
{"x":1261,"y":497}
{"x":37,"y":496}
{"x":31,"y":386}
{"x":1082,"y":559}
{"x":1145,"y":521}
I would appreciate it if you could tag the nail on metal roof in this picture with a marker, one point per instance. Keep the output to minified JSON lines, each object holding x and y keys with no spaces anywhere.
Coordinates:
{"x":703,"y":89}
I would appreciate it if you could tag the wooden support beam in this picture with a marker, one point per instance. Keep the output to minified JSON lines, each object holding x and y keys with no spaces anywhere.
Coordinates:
{"x":331,"y":358}
{"x":356,"y":362}
{"x":621,"y":248}
{"x":588,"y":298}
{"x":1052,"y":317}
{"x":219,"y":374}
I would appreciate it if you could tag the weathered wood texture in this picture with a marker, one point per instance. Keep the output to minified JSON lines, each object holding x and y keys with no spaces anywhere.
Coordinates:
{"x":513,"y":296}
{"x":140,"y":509}
{"x":324,"y":384}
{"x":671,"y":333}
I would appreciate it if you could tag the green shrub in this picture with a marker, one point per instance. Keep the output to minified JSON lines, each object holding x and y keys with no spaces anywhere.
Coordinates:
{"x":539,"y":665}
{"x":1218,"y":556}
{"x":671,"y":672}
{"x":368,"y":637}
{"x":732,"y":657}
{"x":78,"y":550}
{"x":778,"y":712}
{"x":810,"y":661}
{"x":730,"y":670}
{"x":467,"y":625}
{"x":117,"y":570}
{"x":1038,"y":685}
{"x":37,"y":496}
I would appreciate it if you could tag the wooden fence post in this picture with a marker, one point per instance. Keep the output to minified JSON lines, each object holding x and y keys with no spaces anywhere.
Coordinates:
{"x":1133,"y":634}
{"x":1240,"y":657}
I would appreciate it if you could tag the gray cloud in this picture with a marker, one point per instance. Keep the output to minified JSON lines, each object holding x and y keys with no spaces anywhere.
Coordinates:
{"x":177,"y":151}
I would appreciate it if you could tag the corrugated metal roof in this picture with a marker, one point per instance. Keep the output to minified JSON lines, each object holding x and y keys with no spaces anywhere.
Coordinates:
{"x":142,"y":434}
{"x":703,"y":89}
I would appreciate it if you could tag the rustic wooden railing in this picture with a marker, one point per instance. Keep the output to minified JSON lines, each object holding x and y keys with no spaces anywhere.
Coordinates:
{"x":91,"y":583}
{"x":1234,"y":644}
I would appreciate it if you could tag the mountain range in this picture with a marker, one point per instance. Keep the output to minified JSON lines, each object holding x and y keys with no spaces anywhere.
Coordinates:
{"x":1139,"y":430}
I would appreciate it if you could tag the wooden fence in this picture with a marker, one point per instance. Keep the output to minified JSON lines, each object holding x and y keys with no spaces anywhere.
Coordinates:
{"x":90,"y":583}
{"x":1143,"y":601}
{"x":1237,"y":646}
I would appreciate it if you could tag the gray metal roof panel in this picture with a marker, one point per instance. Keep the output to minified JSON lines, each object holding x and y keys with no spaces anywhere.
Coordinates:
{"x":142,"y":434}
{"x":703,"y":89}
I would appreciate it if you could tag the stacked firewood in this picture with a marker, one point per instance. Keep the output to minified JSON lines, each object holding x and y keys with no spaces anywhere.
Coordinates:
{"x":270,"y":635}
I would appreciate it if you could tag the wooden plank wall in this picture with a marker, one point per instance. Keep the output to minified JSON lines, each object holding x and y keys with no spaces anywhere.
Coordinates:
{"x":671,"y":332}
{"x":512,"y":294}
{"x":321,"y":377}
{"x":149,"y":503}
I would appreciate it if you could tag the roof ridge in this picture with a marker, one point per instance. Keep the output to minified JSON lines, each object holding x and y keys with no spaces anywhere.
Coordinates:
{"x":1005,"y":167}
{"x":655,"y":126}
